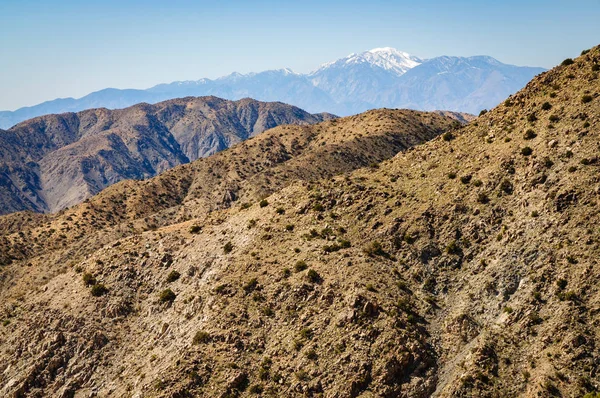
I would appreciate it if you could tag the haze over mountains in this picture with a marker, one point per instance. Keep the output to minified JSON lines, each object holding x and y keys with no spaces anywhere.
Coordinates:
{"x":382,"y":77}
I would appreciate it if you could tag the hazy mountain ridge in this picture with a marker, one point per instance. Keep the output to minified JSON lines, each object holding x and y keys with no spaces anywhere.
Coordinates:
{"x":55,"y":161}
{"x":354,"y":84}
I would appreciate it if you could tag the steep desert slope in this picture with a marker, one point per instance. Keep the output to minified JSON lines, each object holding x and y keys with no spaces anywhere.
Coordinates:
{"x":466,"y":266}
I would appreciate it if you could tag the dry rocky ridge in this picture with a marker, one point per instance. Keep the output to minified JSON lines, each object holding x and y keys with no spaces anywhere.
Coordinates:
{"x":462,"y":267}
{"x":51,"y":162}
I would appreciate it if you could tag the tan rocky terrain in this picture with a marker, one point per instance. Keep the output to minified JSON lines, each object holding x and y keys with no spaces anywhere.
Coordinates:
{"x":51,"y":162}
{"x":462,"y":267}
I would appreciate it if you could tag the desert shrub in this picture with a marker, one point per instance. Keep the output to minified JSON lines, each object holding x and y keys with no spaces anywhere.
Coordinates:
{"x":370,"y":287}
{"x":526,"y":151}
{"x":300,"y":266}
{"x":452,"y":175}
{"x":548,"y":162}
{"x":280,"y":210}
{"x":466,"y":179}
{"x":529,"y":134}
{"x":313,"y":276}
{"x":99,"y":290}
{"x":535,"y":213}
{"x":318,"y":207}
{"x":89,"y":279}
{"x":453,"y":248}
{"x":482,"y":198}
{"x":263,"y":203}
{"x":251,"y":223}
{"x":375,"y":249}
{"x":554,"y":118}
{"x":483,"y":112}
{"x":572,"y":169}
{"x":167,"y":296}
{"x":532,"y":117}
{"x":586,"y":98}
{"x":256,"y":389}
{"x":477,"y":183}
{"x":245,"y":206}
{"x":561,"y":283}
{"x":306,"y":333}
{"x":506,"y":186}
{"x":173,"y":276}
{"x":546,"y":106}
{"x":586,"y":125}
{"x":201,"y":337}
{"x":595,"y":67}
{"x":289,"y":227}
{"x":251,"y":285}
{"x":567,"y":62}
{"x":311,"y":354}
{"x":448,"y":136}
{"x":227,"y":248}
{"x":195,"y":229}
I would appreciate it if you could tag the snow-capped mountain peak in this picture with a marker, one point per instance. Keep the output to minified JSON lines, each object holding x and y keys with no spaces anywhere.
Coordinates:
{"x":387,"y":58}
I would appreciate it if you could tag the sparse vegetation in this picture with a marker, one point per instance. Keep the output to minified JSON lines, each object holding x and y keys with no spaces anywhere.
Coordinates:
{"x":173,"y":276}
{"x":167,"y":296}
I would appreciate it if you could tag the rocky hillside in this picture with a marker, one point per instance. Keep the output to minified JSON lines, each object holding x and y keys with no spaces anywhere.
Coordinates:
{"x":52,"y":162}
{"x":463,"y":267}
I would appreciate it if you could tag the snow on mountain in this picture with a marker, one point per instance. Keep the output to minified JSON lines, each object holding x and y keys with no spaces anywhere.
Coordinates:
{"x":381,"y":77}
{"x":386,"y":58}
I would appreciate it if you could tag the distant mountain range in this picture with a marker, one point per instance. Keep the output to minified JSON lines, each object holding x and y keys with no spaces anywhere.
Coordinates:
{"x":379,"y":78}
{"x":54,"y":161}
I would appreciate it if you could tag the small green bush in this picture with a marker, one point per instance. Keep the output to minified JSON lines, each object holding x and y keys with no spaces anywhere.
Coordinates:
{"x":448,"y":136}
{"x":546,"y":106}
{"x":300,"y":266}
{"x":99,"y":290}
{"x":313,"y":276}
{"x":595,"y":67}
{"x":586,"y":98}
{"x":483,"y":112}
{"x":482,"y":198}
{"x":263,"y":203}
{"x":466,"y":179}
{"x":167,"y":296}
{"x":173,"y":276}
{"x":251,"y":285}
{"x":201,"y":337}
{"x":88,"y":279}
{"x":453,"y":248}
{"x":567,"y":62}
{"x":532,"y":117}
{"x":289,"y":227}
{"x":280,"y":210}
{"x":526,"y":151}
{"x":195,"y":229}
{"x":228,"y":248}
{"x":529,"y":134}
{"x":452,"y":175}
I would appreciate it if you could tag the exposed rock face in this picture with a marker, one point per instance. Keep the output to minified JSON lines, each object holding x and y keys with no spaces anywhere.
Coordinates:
{"x":55,"y":161}
{"x":278,"y":267}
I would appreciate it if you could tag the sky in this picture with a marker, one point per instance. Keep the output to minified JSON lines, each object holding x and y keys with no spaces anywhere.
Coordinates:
{"x":55,"y":49}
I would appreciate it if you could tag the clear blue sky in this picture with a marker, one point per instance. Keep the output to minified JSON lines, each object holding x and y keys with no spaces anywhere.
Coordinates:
{"x":54,"y":48}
